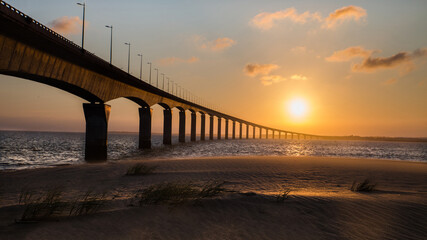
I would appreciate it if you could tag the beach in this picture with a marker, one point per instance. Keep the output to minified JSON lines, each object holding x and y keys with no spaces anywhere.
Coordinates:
{"x":320,"y":204}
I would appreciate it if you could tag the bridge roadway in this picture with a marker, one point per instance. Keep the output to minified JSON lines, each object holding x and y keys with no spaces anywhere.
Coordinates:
{"x":32,"y":51}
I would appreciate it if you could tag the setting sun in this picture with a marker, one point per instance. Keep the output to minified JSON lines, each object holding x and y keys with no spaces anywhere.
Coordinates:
{"x":298,"y":108}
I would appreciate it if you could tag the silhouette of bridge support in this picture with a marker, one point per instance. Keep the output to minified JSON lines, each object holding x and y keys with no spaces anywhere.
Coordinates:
{"x":234,"y":130}
{"x":167,"y":126}
{"x":193,"y":127}
{"x":181,"y":135}
{"x":247,"y":131}
{"x":274,"y":133}
{"x":96,"y":116}
{"x":219,"y":128}
{"x":280,"y":135}
{"x":266,"y":133}
{"x":211,"y":127}
{"x":226,"y":129}
{"x":286,"y":135}
{"x":145,"y":127}
{"x":202,"y":126}
{"x":240,"y":128}
{"x":253,"y":132}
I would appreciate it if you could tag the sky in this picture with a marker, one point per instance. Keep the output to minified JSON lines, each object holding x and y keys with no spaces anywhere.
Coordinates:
{"x":359,"y":66}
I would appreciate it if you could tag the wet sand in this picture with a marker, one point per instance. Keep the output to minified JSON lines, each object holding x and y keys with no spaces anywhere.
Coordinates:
{"x":320,"y":204}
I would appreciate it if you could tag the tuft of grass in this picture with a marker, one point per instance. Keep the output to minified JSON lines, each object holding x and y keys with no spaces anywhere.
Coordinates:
{"x":364,"y":186}
{"x":40,"y":207}
{"x":176,"y":193}
{"x":283,"y":196}
{"x":89,"y":203}
{"x":140,"y":169}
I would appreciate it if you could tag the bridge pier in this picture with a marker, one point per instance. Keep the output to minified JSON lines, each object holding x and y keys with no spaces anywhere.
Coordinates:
{"x":226,"y":129}
{"x":193,"y":126}
{"x":240,"y":128}
{"x":96,"y":116}
{"x":145,"y":127}
{"x":219,"y":128}
{"x":253,"y":132}
{"x":266,"y":133}
{"x":181,"y":137}
{"x":167,"y":126}
{"x":211,"y":125}
{"x":234,"y":130}
{"x":260,"y":133}
{"x":247,"y":131}
{"x":274,"y":132}
{"x":280,"y":135}
{"x":202,"y":126}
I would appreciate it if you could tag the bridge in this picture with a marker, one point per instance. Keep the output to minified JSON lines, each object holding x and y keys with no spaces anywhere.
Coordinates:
{"x":32,"y":51}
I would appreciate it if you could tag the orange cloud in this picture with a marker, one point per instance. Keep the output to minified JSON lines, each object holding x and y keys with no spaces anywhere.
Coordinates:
{"x":298,"y":77}
{"x":175,"y":60}
{"x":67,"y":25}
{"x":342,"y":14}
{"x":349,"y":53}
{"x":218,"y":44}
{"x":270,"y":79}
{"x":266,"y":20}
{"x":254,"y":69}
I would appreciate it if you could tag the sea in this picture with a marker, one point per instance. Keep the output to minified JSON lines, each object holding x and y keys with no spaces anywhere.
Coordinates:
{"x":21,"y":150}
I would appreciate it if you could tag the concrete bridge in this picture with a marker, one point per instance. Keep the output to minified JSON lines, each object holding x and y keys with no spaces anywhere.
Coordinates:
{"x":32,"y":51}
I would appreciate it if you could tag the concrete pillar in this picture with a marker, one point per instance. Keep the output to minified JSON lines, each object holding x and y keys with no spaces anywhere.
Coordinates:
{"x":240,"y":134}
{"x":96,"y":116}
{"x":247,"y":131}
{"x":260,"y":133}
{"x":286,"y":135}
{"x":304,"y":137}
{"x":145,"y":127}
{"x":280,"y":135}
{"x":226,"y":128}
{"x":266,"y":133}
{"x":292,"y":136}
{"x":219,"y":128}
{"x":253,"y":132}
{"x":298,"y":136}
{"x":274,"y":132}
{"x":181,"y":135}
{"x":167,"y":126}
{"x":211,"y":125}
{"x":234,"y":130}
{"x":202,"y":126}
{"x":193,"y":126}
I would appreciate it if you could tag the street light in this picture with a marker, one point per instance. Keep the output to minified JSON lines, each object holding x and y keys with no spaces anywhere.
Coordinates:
{"x":150,"y":72}
{"x":168,"y":83}
{"x":83,"y":30}
{"x":128,"y":57}
{"x":157,"y":81}
{"x":111,"y":43}
{"x":163,"y":85}
{"x":172,"y":87}
{"x":140,"y":67}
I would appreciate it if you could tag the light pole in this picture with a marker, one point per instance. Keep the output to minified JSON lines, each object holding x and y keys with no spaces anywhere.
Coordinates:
{"x":111,"y":43}
{"x":172,"y":87}
{"x":168,"y":83}
{"x":83,"y":30}
{"x":149,"y":63}
{"x":157,"y":81}
{"x":128,"y":57}
{"x":140,"y":67}
{"x":163,"y":84}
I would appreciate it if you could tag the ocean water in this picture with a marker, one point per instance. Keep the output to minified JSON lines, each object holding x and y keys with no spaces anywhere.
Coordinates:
{"x":20,"y":150}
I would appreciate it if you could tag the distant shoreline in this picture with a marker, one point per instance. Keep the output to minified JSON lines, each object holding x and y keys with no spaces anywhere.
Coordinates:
{"x":331,"y":138}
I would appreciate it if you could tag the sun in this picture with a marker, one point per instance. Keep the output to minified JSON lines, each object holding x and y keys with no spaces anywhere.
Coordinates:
{"x":298,"y":108}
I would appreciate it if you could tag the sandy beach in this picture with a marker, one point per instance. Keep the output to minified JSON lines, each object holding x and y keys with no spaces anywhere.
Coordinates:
{"x":320,"y":204}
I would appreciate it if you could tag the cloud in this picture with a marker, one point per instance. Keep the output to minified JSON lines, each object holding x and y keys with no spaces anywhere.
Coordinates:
{"x":298,"y":77}
{"x":299,"y":50}
{"x":349,"y":53}
{"x":266,"y":20}
{"x":67,"y":25}
{"x":254,"y":69}
{"x":343,"y":14}
{"x":216,"y":45}
{"x":175,"y":60}
{"x":270,"y":79}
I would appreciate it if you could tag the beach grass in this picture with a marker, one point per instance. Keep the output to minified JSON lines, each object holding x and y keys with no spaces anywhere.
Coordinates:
{"x":364,"y":186}
{"x":140,"y":169}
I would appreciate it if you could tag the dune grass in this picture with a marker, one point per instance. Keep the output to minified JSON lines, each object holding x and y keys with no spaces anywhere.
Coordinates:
{"x":283,"y":196}
{"x":140,"y":170}
{"x":364,"y":186}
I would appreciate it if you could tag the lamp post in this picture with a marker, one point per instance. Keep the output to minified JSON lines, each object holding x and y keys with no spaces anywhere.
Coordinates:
{"x":172,"y":87}
{"x":163,"y":83}
{"x":128,"y":57}
{"x":83,"y":29}
{"x":140,"y":67}
{"x":157,"y":81}
{"x":168,"y":83}
{"x":111,"y":43}
{"x":149,"y":63}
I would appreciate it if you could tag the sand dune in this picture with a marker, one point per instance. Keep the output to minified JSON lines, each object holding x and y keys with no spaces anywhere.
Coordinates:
{"x":320,"y":205}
